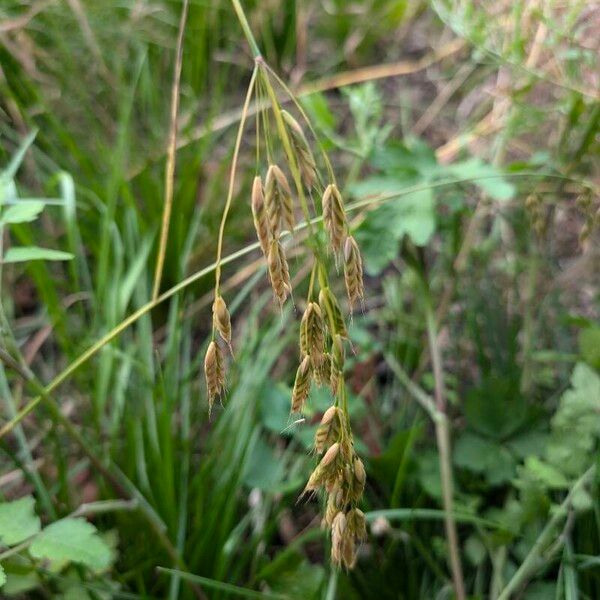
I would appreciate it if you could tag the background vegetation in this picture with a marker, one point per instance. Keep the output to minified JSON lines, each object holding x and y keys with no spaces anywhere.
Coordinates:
{"x":467,"y":132}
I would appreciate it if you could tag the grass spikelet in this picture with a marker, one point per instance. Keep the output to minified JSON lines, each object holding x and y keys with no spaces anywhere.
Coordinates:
{"x":329,"y":305}
{"x":278,"y":201}
{"x":305,"y":157}
{"x":312,"y":333}
{"x":329,"y":429}
{"x":334,"y":216}
{"x":301,"y":385}
{"x":358,"y":480}
{"x":214,"y":371}
{"x":222,"y":320}
{"x":356,"y":523}
{"x":337,"y":363}
{"x":322,"y":370}
{"x":272,"y":203}
{"x":338,"y":535}
{"x":259,"y":215}
{"x":279,"y":271}
{"x":284,"y":194}
{"x":353,"y":271}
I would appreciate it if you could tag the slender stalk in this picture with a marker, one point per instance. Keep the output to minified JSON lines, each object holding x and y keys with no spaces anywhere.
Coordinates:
{"x":534,"y":558}
{"x":442,"y":433}
{"x":171,"y":154}
{"x":236,"y":152}
{"x":246,"y":28}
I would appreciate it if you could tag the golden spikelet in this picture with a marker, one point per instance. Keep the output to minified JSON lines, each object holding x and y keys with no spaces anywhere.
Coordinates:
{"x":334,"y":216}
{"x":272,"y":203}
{"x":301,"y":385}
{"x":312,"y":333}
{"x":284,"y":193}
{"x":278,"y":201}
{"x":322,"y":370}
{"x":279,"y":271}
{"x":306,"y":160}
{"x":222,"y":320}
{"x":214,"y":371}
{"x":259,"y":214}
{"x":353,"y":271}
{"x":329,"y":429}
{"x":358,"y":480}
{"x":356,"y":523}
{"x":330,"y":307}
{"x":337,"y":363}
{"x":338,"y":535}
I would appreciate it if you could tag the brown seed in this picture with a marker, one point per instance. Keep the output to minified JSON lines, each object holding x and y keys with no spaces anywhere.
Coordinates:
{"x":222,"y":320}
{"x":334,"y":216}
{"x":353,"y":271}
{"x":301,"y":385}
{"x":279,"y":271}
{"x":214,"y":371}
{"x":259,"y":214}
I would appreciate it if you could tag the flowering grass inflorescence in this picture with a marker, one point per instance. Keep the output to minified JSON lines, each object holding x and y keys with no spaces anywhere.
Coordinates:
{"x":323,"y":333}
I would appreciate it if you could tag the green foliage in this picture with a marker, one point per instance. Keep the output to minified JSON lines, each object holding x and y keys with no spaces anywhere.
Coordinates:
{"x":18,"y":521}
{"x":72,"y":540}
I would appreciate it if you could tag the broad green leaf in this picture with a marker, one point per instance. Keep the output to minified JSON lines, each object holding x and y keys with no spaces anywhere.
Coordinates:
{"x":589,"y":345}
{"x":72,"y":540}
{"x":27,"y":253}
{"x":18,"y":521}
{"x":576,"y":425}
{"x":545,"y":473}
{"x":263,"y":470}
{"x":382,"y":230}
{"x":23,"y":212}
{"x":483,"y":456}
{"x":487,"y":177}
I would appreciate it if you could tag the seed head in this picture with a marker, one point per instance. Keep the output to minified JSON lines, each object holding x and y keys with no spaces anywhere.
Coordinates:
{"x":222,"y":319}
{"x":214,"y":371}
{"x":353,"y":271}
{"x":279,"y":271}
{"x":334,"y":216}
{"x":285,"y":198}
{"x":259,"y":215}
{"x":337,"y":363}
{"x":301,"y":385}
{"x":356,"y":523}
